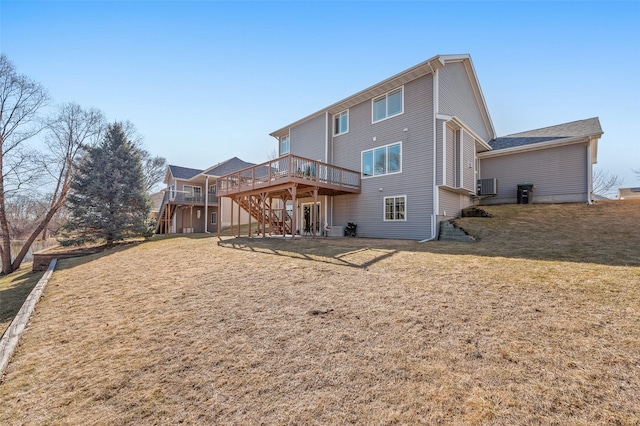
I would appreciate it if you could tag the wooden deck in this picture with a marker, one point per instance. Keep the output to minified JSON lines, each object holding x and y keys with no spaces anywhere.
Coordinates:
{"x":264,"y":189}
{"x":277,"y":176}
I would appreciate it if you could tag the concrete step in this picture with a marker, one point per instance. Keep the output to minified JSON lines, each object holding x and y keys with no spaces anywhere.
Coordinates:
{"x":449,"y":232}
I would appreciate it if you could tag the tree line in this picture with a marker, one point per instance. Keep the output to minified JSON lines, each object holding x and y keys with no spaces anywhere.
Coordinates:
{"x":46,"y":187}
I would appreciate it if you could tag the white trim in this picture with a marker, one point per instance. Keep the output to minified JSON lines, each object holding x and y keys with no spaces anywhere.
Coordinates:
{"x":589,"y":172}
{"x":444,"y":153}
{"x":384,"y":208}
{"x":288,"y":137}
{"x":436,"y":195}
{"x":537,"y":146}
{"x":386,"y":96}
{"x":326,"y":136}
{"x":460,"y":141}
{"x":477,"y":91}
{"x":333,"y":122}
{"x":184,"y":190}
{"x":206,"y":203}
{"x":426,"y":67}
{"x":465,"y":127}
{"x":362,"y":176}
{"x":211,"y":217}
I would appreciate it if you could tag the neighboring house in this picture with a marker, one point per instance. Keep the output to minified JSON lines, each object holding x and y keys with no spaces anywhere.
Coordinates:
{"x":156,"y":203}
{"x":190,"y":203}
{"x":626,"y":193}
{"x":404,"y":154}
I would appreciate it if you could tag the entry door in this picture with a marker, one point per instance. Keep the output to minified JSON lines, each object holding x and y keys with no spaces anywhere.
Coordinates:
{"x":307,"y":219}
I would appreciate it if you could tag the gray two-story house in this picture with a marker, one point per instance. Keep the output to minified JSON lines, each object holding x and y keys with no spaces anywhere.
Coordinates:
{"x":401,"y":156}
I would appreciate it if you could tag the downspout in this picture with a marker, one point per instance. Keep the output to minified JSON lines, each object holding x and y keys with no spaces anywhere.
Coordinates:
{"x":436,"y":206}
{"x":206,"y":205}
{"x":326,"y":160}
{"x":589,"y":171}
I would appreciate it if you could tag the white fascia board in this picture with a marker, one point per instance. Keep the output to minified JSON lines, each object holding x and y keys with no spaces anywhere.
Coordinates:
{"x":463,"y":126}
{"x":482,"y":104}
{"x":537,"y":146}
{"x":427,"y":67}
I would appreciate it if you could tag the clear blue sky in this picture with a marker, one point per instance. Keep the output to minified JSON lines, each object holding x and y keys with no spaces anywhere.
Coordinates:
{"x":206,"y":80}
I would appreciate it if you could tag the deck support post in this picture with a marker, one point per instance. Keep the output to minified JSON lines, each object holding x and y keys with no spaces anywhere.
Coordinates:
{"x":293,"y":190}
{"x":314,"y":213}
{"x":239,"y":217}
{"x":250,"y":202}
{"x":263,"y":197}
{"x":231,"y":209}
{"x":219,"y":218}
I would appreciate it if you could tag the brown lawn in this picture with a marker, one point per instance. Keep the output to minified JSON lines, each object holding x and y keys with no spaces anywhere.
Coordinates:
{"x":538,"y":323}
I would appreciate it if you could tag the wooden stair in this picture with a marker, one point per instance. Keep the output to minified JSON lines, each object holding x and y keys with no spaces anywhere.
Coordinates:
{"x":277,"y":221}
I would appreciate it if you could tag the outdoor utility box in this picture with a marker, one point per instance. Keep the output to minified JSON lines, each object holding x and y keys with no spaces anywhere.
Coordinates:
{"x":525,"y":193}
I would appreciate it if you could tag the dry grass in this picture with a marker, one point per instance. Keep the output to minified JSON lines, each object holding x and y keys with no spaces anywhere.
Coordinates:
{"x":336,"y":331}
{"x":14,"y":289}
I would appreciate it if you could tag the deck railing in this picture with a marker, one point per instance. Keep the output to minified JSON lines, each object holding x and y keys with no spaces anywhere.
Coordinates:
{"x":187,"y":198}
{"x":284,"y":169}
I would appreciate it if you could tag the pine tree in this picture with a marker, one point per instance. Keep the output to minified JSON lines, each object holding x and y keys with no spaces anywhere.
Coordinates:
{"x":108,"y":200}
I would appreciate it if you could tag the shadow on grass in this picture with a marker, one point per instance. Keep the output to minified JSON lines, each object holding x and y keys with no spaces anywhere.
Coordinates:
{"x":603,"y":234}
{"x":15,"y":289}
{"x":357,"y":254}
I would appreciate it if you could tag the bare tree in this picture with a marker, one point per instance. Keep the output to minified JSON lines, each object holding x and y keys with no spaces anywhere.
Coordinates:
{"x":604,"y":183}
{"x":637,"y":172}
{"x":69,"y":132}
{"x":20,"y":102}
{"x":153,"y":168}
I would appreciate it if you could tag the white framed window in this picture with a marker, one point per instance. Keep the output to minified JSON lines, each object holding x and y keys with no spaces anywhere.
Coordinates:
{"x":388,"y":105}
{"x":395,"y":208}
{"x":284,"y":145}
{"x":214,"y":218}
{"x":383,"y":160}
{"x":193,"y":192}
{"x":212,"y":189}
{"x":341,"y":123}
{"x":172,"y":192}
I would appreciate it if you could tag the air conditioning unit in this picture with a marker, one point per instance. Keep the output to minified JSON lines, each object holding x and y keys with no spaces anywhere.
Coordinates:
{"x":488,"y":186}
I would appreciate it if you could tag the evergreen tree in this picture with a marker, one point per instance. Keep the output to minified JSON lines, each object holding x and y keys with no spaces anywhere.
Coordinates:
{"x":108,"y":199}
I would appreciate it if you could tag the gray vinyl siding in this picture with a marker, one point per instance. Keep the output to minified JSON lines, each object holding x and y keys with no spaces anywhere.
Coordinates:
{"x":188,"y":218}
{"x":449,"y":203}
{"x":468,"y":161}
{"x":309,"y":138}
{"x":416,"y":179}
{"x":457,"y":98}
{"x":558,"y":174}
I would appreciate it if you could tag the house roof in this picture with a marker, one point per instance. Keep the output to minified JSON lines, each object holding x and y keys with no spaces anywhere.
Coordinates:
{"x":427,"y":67}
{"x":179,"y":172}
{"x":229,"y":166}
{"x":629,"y":192}
{"x":575,"y":129}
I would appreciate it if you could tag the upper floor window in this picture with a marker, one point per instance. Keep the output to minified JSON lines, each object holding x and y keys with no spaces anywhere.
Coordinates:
{"x":382,"y":160}
{"x":388,"y":105}
{"x":341,"y":123}
{"x":192,"y":192}
{"x":284,"y":145}
{"x":212,"y":189}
